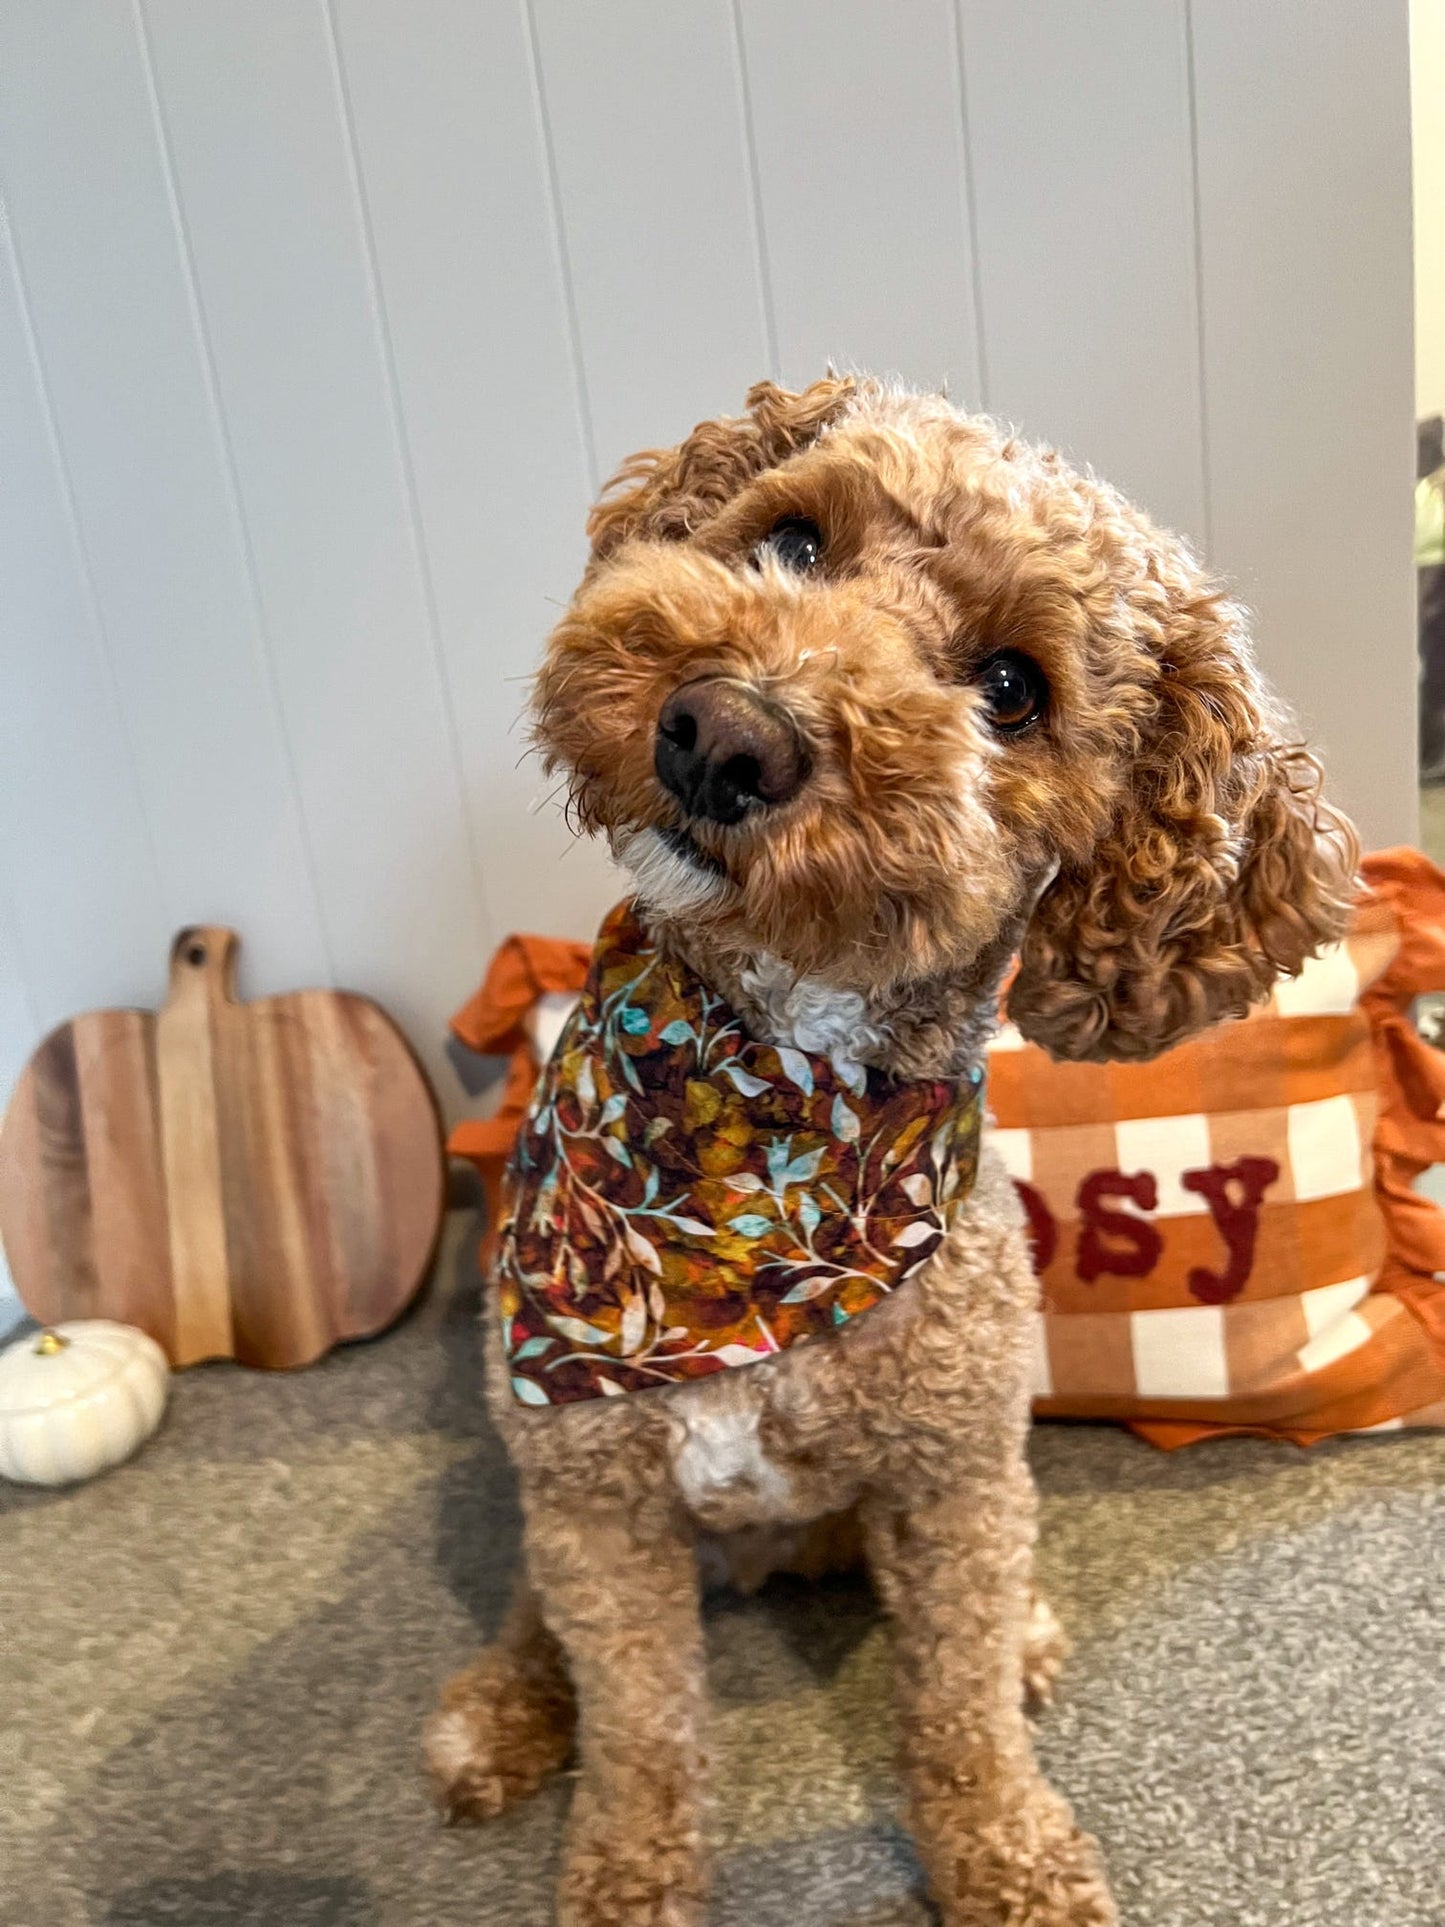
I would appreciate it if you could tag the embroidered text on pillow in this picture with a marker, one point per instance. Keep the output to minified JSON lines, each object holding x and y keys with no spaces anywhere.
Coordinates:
{"x":682,"y":1199}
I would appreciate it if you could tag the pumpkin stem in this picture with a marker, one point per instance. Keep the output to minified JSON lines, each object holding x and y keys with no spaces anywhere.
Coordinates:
{"x":49,"y":1343}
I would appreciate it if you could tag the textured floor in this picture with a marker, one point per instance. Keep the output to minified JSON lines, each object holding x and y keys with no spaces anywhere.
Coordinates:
{"x":213,"y":1666}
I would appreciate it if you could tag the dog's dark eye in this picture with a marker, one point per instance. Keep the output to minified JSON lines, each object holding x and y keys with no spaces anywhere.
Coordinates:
{"x":1014,"y":690}
{"x":796,"y":542}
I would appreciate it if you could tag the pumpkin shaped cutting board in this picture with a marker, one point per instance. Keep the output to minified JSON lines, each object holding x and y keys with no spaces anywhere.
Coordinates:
{"x":253,"y":1181}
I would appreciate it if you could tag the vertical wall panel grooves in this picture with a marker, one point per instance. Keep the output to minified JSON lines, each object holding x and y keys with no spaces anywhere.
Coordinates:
{"x":321,"y":326}
{"x":760,"y":228}
{"x":1302,"y":136}
{"x":965,"y":154}
{"x":1186,"y":23}
{"x":415,"y":528}
{"x":558,"y":227}
{"x":854,"y":119}
{"x":227,"y":453}
{"x":84,"y":574}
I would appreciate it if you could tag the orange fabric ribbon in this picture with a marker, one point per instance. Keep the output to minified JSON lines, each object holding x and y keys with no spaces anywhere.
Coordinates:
{"x":493,"y":1022}
{"x":1410,"y":1135}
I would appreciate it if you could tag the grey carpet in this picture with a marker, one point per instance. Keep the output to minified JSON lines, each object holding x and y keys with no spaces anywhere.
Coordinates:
{"x":214,"y":1663}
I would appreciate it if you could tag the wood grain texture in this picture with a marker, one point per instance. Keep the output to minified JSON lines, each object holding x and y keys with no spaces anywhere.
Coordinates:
{"x":253,"y":1181}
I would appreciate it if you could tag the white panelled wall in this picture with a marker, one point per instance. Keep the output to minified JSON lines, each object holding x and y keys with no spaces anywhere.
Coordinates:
{"x":321,"y":321}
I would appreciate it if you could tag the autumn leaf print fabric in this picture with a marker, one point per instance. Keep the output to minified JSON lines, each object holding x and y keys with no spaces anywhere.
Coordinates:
{"x":682,"y":1199}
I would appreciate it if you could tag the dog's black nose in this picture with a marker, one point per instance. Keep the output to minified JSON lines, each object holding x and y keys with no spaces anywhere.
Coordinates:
{"x":722,"y":750}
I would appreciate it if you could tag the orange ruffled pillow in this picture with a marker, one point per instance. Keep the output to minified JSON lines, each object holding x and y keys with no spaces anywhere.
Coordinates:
{"x":1228,"y":1238}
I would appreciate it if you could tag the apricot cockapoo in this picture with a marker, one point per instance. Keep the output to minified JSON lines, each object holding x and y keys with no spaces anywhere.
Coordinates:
{"x":870,"y":698}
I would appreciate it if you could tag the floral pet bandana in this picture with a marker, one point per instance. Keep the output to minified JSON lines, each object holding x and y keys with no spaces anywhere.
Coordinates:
{"x":682,"y":1199}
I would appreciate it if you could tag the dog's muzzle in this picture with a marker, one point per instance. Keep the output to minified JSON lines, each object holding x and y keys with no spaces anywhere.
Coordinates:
{"x":723,"y":750}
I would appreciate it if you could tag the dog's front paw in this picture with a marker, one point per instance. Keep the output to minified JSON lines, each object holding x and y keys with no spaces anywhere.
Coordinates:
{"x":499,"y":1730}
{"x":620,"y":1871}
{"x":601,"y":1889}
{"x":1030,"y":1869}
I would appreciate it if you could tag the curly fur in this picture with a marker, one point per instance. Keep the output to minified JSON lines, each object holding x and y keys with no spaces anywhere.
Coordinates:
{"x":1154,"y":852}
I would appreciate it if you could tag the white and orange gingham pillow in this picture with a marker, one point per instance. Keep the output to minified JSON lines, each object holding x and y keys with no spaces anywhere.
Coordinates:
{"x":1229,"y":1238}
{"x":1211,"y":1246}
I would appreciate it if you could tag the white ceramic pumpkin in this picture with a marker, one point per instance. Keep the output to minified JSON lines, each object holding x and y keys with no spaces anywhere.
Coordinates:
{"x":77,"y":1398}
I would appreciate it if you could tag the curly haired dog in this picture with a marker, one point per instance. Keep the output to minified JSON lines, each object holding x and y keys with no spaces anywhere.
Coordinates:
{"x":872,"y":698}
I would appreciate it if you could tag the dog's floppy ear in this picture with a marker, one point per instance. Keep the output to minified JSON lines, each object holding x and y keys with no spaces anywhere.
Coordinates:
{"x":1223,"y":867}
{"x":666,"y":493}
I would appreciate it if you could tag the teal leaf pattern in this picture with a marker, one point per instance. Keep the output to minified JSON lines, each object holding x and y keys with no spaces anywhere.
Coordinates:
{"x":750,"y":1225}
{"x":682,"y":1199}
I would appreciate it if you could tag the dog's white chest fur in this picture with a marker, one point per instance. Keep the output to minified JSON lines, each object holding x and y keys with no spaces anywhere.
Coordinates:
{"x":811,"y":1015}
{"x":719,"y":1463}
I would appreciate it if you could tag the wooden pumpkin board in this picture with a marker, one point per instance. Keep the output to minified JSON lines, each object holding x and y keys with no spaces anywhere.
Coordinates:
{"x":256,"y":1181}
